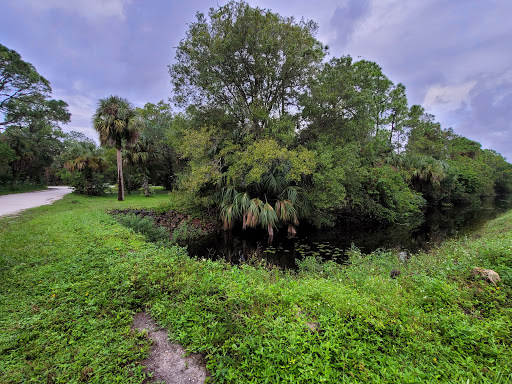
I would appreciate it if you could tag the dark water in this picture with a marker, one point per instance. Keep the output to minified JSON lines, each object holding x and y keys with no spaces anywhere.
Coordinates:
{"x":331,"y":243}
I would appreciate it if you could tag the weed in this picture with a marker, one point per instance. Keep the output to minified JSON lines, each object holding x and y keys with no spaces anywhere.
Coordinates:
{"x":186,"y":231}
{"x":145,"y":226}
{"x":71,"y":278}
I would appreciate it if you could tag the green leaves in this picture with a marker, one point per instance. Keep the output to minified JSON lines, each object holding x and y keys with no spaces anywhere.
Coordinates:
{"x":30,"y":120}
{"x":265,"y":114}
{"x":116,"y":122}
{"x":267,"y":163}
{"x":20,"y":84}
{"x":247,"y":61}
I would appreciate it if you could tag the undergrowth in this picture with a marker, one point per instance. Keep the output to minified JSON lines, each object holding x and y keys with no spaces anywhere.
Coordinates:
{"x":72,"y":278}
{"x":20,"y":187}
{"x":145,"y":226}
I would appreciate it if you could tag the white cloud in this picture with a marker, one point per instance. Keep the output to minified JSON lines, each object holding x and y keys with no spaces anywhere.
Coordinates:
{"x":448,"y":98}
{"x":81,"y":107}
{"x":90,"y":9}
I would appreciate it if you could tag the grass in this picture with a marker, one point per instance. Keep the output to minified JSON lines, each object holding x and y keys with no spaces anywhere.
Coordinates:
{"x":72,"y":277}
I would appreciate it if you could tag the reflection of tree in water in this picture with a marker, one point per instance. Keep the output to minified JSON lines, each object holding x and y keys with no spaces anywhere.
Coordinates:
{"x":241,"y":246}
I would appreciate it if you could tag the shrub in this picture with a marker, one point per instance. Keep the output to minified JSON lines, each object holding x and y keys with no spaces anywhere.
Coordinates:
{"x":144,"y":226}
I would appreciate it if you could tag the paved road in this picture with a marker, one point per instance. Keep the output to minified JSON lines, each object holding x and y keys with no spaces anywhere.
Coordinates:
{"x":12,"y":204}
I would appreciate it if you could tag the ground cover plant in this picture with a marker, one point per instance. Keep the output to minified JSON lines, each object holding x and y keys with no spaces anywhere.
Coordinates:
{"x":72,"y":278}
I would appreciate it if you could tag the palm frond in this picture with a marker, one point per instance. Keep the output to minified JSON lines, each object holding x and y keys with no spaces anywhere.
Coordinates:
{"x":227,"y":217}
{"x":254,"y":213}
{"x":286,"y":212}
{"x":268,"y":218}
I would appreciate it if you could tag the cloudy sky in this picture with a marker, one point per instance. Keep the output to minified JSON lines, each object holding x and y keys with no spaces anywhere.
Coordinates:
{"x":454,"y":57}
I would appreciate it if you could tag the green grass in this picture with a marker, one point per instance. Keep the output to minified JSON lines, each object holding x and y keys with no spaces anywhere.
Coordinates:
{"x":72,"y":277}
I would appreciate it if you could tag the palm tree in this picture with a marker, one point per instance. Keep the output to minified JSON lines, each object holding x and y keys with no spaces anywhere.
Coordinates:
{"x":139,"y":156}
{"x":116,"y":122}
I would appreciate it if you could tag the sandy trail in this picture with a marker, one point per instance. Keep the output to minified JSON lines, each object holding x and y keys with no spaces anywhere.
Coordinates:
{"x":15,"y":203}
{"x":166,"y":361}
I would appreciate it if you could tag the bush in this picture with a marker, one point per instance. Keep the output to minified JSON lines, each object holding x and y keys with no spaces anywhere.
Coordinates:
{"x":8,"y":187}
{"x":144,"y":226}
{"x":90,"y":185}
{"x":186,"y":231}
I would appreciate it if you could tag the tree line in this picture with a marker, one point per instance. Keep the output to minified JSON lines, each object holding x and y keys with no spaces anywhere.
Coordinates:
{"x":269,"y":133}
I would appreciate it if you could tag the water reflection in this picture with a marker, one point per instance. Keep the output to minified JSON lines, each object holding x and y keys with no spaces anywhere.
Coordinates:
{"x":437,"y":225}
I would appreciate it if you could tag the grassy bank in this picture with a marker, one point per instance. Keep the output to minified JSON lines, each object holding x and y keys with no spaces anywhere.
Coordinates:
{"x":71,"y":278}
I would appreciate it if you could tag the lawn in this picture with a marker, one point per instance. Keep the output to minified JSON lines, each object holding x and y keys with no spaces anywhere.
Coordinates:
{"x":72,"y":278}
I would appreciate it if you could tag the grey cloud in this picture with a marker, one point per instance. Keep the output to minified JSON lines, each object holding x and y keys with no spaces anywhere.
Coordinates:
{"x":488,"y":117}
{"x":345,"y":18}
{"x":442,"y":44}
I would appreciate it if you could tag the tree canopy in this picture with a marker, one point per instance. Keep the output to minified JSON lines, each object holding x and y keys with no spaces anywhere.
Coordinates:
{"x":269,"y":133}
{"x":267,"y":120}
{"x":249,"y":62}
{"x":31,"y":136}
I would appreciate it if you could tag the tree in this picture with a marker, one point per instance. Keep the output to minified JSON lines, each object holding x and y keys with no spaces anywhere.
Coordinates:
{"x":242,"y":69}
{"x":34,"y":135}
{"x":398,"y":116}
{"x":160,"y":131}
{"x":139,"y":156}
{"x":336,"y":105}
{"x":24,"y":93}
{"x":377,"y":89}
{"x":30,"y":120}
{"x":249,"y":62}
{"x":116,"y":122}
{"x":35,"y":148}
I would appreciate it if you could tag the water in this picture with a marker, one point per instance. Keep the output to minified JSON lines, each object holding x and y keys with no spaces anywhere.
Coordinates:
{"x":436,"y":226}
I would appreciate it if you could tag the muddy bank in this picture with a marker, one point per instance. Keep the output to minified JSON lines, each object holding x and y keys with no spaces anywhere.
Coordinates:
{"x":172,"y":219}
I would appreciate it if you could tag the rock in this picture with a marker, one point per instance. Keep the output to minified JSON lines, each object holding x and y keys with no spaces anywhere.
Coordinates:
{"x":394,"y":273}
{"x":403,"y":256}
{"x":313,"y":326}
{"x":488,"y":275}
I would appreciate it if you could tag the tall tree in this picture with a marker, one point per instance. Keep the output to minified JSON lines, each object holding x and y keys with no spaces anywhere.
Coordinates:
{"x":139,"y":156}
{"x":335,"y":104}
{"x":247,"y":61}
{"x":159,"y":130}
{"x":30,"y":119}
{"x":377,"y":87}
{"x":22,"y":89}
{"x":34,"y":135}
{"x":116,"y":122}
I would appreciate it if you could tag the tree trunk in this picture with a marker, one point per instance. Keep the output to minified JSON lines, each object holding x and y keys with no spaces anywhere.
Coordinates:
{"x":145,"y":187}
{"x":120,"y":181}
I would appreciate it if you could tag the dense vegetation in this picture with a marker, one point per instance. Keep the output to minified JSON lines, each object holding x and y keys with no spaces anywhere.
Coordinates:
{"x":271,"y":132}
{"x":29,"y":134}
{"x":70,"y":288}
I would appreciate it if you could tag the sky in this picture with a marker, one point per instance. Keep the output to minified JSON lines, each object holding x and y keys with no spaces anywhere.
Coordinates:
{"x":454,"y":57}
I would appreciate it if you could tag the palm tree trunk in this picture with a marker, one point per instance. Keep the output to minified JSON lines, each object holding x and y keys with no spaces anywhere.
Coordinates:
{"x":145,"y":186}
{"x":120,"y":181}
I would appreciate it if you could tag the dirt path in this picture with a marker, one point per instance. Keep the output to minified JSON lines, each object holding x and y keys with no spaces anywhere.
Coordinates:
{"x":13,"y":204}
{"x":166,"y":360}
